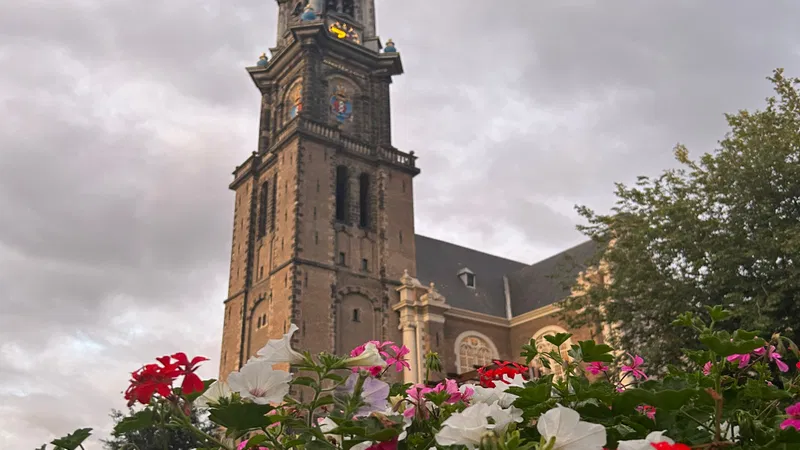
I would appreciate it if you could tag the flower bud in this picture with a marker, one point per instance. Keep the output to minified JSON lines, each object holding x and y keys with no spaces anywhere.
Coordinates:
{"x":489,"y":441}
{"x":432,"y":362}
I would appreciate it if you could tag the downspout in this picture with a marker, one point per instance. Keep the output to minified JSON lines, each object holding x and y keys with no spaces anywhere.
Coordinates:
{"x":507,"y":292}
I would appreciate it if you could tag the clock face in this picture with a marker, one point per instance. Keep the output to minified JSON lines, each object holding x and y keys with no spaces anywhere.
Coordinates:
{"x":341,"y":30}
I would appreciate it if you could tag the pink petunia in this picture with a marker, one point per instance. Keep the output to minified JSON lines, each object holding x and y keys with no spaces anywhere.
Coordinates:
{"x":635,"y":368}
{"x":743,"y":359}
{"x":398,"y":359}
{"x":793,"y":420}
{"x":595,"y":368}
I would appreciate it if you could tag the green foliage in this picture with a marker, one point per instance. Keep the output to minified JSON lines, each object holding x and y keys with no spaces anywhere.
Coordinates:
{"x":150,"y":429}
{"x":719,"y":230}
{"x":73,"y":440}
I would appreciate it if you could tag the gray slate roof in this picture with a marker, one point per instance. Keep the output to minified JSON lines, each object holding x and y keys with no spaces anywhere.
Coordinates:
{"x":531,"y":286}
{"x":439,"y":262}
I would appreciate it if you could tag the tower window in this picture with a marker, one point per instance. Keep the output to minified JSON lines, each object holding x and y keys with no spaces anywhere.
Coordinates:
{"x":342,"y":258}
{"x":365,"y":265}
{"x":263,"y":201}
{"x":273,"y":201}
{"x":363,"y":199}
{"x":316,"y":238}
{"x":356,"y":315}
{"x":342,"y":180}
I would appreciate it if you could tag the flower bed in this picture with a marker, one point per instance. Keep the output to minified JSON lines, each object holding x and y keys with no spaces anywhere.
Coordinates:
{"x":737,"y":393}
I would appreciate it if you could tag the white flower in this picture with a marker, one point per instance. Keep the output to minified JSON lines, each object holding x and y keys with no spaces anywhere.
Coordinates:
{"x":645,"y":444}
{"x":569,"y":431}
{"x":280,"y":350}
{"x":491,"y":395}
{"x":215,"y":392}
{"x":468,"y":426}
{"x":370,"y":357}
{"x":259,"y":383}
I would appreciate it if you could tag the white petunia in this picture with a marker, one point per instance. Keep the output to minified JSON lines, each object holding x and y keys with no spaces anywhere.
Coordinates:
{"x":645,"y":444}
{"x":569,"y":431}
{"x":280,"y":350}
{"x":469,"y":426}
{"x":370,"y":357}
{"x":491,"y":395}
{"x":259,"y":383}
{"x":218,"y":390}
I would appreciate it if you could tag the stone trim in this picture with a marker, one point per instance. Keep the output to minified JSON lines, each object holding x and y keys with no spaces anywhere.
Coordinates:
{"x":535,"y":314}
{"x":476,"y":317}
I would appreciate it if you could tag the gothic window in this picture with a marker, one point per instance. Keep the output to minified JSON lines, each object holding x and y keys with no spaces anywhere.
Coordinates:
{"x":330,"y":5}
{"x":356,"y":315}
{"x":263,"y":204}
{"x":473,"y":350}
{"x":363,"y":200}
{"x":365,"y":265}
{"x":545,"y":347}
{"x":273,"y":202}
{"x":342,"y":180}
{"x":348,"y":8}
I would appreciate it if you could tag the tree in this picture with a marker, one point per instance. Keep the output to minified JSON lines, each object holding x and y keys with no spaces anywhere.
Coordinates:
{"x":724,"y":229}
{"x":155,"y":437}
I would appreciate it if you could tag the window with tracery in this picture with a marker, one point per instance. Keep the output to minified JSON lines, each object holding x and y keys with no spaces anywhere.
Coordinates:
{"x":543,"y":346}
{"x":473,"y":352}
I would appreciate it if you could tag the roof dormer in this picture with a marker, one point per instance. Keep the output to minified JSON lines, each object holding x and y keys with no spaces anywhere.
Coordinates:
{"x":467,"y":277}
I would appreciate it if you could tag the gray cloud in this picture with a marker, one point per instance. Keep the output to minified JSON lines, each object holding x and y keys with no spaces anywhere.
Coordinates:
{"x":122,"y":123}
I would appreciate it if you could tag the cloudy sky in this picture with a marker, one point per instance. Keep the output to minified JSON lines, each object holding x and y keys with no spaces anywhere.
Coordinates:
{"x":122,"y":122}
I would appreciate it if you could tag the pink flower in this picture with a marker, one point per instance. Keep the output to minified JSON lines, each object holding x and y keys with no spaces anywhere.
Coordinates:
{"x":451,"y":387}
{"x":417,"y":395}
{"x":388,"y":445}
{"x":707,"y":368}
{"x":358,"y":350}
{"x":794,"y":417}
{"x":466,"y":396}
{"x":596,"y":367}
{"x":647,"y":410}
{"x":634,"y":369}
{"x":773,"y":356}
{"x":744,"y":360}
{"x":243,"y":444}
{"x":398,"y":359}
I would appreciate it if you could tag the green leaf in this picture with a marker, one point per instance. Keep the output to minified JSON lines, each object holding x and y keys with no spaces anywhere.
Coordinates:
{"x":73,"y":440}
{"x":789,"y":436}
{"x":138,"y":421}
{"x":725,"y":347}
{"x":558,"y":339}
{"x":304,"y":381}
{"x":717,"y":313}
{"x":240,"y":417}
{"x":594,"y":352}
{"x":334,"y":377}
{"x":195,"y":395}
{"x":529,"y":351}
{"x":254,"y":441}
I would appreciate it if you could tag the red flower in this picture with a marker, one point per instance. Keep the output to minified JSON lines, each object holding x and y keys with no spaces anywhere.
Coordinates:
{"x":191,"y":382}
{"x":667,"y":446}
{"x":152,"y":379}
{"x":489,"y":375}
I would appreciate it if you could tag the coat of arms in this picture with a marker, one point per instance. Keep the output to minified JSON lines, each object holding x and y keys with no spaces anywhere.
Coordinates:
{"x":341,"y":106}
{"x":295,"y":100}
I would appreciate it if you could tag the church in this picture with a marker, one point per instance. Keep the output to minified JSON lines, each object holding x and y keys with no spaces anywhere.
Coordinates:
{"x":323,"y":222}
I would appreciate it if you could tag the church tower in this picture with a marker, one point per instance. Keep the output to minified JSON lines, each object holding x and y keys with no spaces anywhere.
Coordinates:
{"x":323,"y":225}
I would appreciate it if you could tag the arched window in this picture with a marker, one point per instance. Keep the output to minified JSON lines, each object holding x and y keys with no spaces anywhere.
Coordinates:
{"x":473,"y":350}
{"x":545,"y":347}
{"x":342,"y":179}
{"x":348,"y":8}
{"x":356,"y":315}
{"x":263,"y":204}
{"x":363,"y":200}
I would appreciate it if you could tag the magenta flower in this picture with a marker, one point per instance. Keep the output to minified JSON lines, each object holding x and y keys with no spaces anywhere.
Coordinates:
{"x":794,"y":417}
{"x":466,"y":396}
{"x":744,"y":359}
{"x":416,"y":394}
{"x":635,"y":368}
{"x":451,"y":387}
{"x":398,"y":359}
{"x":596,"y":367}
{"x":773,"y":356}
{"x":707,"y":368}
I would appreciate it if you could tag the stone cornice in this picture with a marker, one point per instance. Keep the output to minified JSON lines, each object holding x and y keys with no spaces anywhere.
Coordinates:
{"x":476,"y":317}
{"x":535,"y":314}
